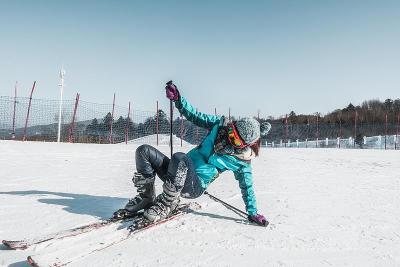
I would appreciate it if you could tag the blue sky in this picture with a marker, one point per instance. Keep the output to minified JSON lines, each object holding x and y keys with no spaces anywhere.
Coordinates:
{"x":275,"y":56}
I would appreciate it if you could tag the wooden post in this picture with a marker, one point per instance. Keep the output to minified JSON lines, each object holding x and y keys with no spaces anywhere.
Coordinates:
{"x":29,"y":108}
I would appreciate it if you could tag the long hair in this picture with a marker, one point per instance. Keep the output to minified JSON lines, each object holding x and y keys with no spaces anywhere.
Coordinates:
{"x":256,"y":147}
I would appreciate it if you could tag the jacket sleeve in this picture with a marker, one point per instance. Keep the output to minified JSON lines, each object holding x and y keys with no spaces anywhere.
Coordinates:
{"x":245,"y":177}
{"x":198,"y":118}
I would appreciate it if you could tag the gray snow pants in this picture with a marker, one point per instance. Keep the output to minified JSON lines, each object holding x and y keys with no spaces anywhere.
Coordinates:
{"x":150,"y":161}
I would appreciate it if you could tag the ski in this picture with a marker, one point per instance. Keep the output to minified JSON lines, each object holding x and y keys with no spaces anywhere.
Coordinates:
{"x":26,"y":243}
{"x":95,"y":241}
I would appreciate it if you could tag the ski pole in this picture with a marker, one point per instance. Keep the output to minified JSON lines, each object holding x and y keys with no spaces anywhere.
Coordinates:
{"x":171,"y":111}
{"x":226,"y":204}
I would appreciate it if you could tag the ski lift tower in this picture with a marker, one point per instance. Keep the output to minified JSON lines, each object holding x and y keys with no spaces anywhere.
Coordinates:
{"x":62,"y":74}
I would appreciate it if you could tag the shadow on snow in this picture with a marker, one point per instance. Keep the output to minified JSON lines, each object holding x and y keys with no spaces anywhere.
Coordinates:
{"x":20,"y":264}
{"x":98,"y":206}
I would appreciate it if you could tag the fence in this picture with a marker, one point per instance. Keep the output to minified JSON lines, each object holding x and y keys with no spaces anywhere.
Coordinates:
{"x":85,"y":122}
{"x":373,"y":142}
{"x":328,"y":135}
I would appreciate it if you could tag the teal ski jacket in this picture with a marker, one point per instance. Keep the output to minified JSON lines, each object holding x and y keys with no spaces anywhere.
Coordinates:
{"x":208,"y":164}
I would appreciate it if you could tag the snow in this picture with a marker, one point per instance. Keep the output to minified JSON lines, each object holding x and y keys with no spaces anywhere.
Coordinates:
{"x":327,"y":207}
{"x":163,"y":139}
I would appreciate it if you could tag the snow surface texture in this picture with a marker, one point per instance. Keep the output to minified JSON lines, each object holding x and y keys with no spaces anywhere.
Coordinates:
{"x":327,"y":207}
{"x":162,"y":140}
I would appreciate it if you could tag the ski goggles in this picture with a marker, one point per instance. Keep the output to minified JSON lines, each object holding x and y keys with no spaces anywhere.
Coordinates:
{"x":234,"y":137}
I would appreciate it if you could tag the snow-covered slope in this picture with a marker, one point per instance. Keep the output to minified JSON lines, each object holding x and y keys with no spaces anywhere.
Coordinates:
{"x":163,"y":139}
{"x":327,"y":207}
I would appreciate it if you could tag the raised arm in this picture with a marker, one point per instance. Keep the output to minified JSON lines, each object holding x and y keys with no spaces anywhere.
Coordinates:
{"x":198,"y":118}
{"x":186,"y":109}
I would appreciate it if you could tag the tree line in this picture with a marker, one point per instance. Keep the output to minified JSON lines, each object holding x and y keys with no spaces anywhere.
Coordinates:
{"x":101,"y":129}
{"x":367,"y":119}
{"x":371,"y":118}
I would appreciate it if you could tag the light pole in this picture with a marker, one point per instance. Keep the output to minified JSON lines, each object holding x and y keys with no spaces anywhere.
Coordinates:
{"x":62,"y":74}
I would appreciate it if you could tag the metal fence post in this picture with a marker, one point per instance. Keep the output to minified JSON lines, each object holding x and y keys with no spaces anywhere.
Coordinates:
{"x":29,"y":108}
{"x":127,"y":124}
{"x":340,"y":130}
{"x":397,"y":132}
{"x":157,"y":123}
{"x":15,"y":107}
{"x":355,"y":127}
{"x":112,"y":121}
{"x":316,"y":143}
{"x":72,"y":126}
{"x":386,"y":124}
{"x":286,"y":130}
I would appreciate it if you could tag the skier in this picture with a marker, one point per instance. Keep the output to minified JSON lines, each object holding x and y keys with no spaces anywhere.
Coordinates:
{"x":230,"y":145}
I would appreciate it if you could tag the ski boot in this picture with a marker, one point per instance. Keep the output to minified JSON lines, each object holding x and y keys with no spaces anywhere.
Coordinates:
{"x":165,"y":204}
{"x":144,"y":200}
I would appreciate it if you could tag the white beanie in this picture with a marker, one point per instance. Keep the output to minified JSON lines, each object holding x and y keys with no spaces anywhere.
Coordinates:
{"x":248,"y":129}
